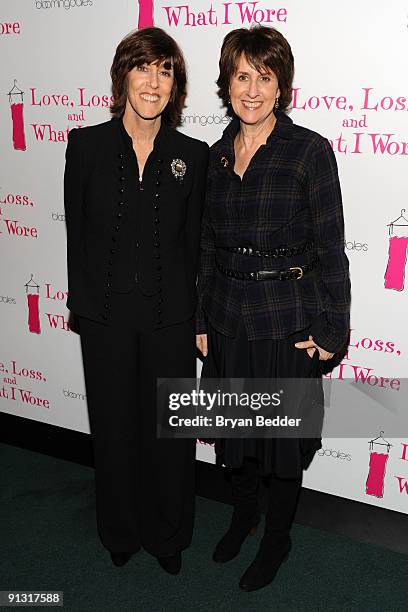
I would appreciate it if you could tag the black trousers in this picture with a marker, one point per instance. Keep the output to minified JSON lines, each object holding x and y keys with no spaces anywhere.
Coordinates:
{"x":144,"y":485}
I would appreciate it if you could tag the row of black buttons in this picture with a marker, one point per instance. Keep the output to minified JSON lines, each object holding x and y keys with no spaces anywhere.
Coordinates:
{"x":114,"y":238}
{"x":156,"y":244}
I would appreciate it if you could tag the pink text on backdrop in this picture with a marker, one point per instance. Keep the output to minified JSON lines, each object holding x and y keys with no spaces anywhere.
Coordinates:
{"x":8,"y":29}
{"x":62,"y":99}
{"x":376,"y":143}
{"x":229,"y":13}
{"x":15,"y":199}
{"x":370,"y":101}
{"x":15,"y":229}
{"x":403,"y":481}
{"x":57,"y":321}
{"x":24,"y":396}
{"x":14,"y":369}
{"x":52,"y":294}
{"x":346,"y":370}
{"x":48,"y":133}
{"x":403,"y":484}
{"x":326,"y":102}
{"x":11,"y":372}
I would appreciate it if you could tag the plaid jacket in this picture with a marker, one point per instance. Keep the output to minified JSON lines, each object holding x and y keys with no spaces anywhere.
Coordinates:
{"x":289,"y":195}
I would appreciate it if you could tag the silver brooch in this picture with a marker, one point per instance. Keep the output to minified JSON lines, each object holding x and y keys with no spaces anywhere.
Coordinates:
{"x":178,"y":168}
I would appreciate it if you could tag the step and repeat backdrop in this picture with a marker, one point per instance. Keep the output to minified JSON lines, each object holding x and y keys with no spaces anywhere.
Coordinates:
{"x":351,"y":85}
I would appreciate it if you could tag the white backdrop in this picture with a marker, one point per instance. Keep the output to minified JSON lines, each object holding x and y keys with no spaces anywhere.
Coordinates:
{"x":351,"y":85}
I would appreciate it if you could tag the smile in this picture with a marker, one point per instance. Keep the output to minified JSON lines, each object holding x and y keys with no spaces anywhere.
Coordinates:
{"x":251,"y":105}
{"x":149,"y":97}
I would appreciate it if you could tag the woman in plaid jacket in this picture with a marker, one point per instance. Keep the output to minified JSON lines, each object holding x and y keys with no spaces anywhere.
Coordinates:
{"x":274,"y":289}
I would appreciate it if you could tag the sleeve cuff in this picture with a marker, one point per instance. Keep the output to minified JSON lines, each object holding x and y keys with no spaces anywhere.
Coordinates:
{"x":327,"y":336}
{"x":201,"y":327}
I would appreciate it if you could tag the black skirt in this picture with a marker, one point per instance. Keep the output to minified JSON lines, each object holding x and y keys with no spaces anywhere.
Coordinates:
{"x":239,"y":357}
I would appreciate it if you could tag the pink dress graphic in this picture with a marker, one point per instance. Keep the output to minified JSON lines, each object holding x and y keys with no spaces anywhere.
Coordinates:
{"x":17,"y":117}
{"x":377,"y":467}
{"x":33,"y":297}
{"x":397,"y":255}
{"x":33,"y":313}
{"x":146,"y":19}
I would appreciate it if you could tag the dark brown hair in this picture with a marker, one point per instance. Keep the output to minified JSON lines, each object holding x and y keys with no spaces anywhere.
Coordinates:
{"x":147,"y":46}
{"x":263,"y":48}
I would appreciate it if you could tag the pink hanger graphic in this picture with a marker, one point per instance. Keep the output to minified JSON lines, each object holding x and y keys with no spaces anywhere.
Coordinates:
{"x":397,"y":255}
{"x":16,"y":100}
{"x":146,"y":18}
{"x":377,"y":466}
{"x":33,"y":290}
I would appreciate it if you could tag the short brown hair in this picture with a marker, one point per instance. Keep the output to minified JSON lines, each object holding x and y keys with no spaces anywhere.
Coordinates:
{"x":263,"y":48}
{"x":147,"y":46}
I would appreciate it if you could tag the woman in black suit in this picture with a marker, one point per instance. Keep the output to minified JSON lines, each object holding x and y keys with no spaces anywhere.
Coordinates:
{"x":134,"y":191}
{"x":274,"y":287}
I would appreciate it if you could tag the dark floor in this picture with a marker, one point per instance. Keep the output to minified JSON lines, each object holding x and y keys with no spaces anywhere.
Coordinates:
{"x":49,"y":542}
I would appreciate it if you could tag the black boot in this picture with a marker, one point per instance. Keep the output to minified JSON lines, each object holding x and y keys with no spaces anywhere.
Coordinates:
{"x":275,"y":544}
{"x":246,"y":515}
{"x":266,"y":564}
{"x":120,"y":558}
{"x":171,"y":564}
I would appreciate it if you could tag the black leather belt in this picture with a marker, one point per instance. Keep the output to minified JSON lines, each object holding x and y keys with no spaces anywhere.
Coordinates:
{"x":294,"y":273}
{"x":278,"y":252}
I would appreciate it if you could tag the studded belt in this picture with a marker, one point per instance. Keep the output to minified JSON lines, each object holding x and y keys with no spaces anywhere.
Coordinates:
{"x":274,"y":253}
{"x":294,"y":273}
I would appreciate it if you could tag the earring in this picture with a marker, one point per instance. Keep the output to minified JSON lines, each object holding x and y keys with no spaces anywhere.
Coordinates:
{"x":277,"y":103}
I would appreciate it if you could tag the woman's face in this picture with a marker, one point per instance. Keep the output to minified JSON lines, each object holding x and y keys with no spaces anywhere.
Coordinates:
{"x":149,"y":89}
{"x":252,"y":93}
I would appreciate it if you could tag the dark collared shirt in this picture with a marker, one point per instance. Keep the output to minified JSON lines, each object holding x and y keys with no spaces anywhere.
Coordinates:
{"x":138,"y":211}
{"x":289,"y":195}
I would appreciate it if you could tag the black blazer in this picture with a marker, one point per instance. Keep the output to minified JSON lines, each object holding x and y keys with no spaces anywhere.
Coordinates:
{"x":122,"y":230}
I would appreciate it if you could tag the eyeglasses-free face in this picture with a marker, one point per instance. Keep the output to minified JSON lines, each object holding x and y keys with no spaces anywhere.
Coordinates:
{"x":253,"y":94}
{"x":149,"y":88}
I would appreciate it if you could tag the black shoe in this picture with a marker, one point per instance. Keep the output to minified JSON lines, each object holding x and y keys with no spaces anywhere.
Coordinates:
{"x":230,"y":545}
{"x":266,"y":564}
{"x":120,"y":558}
{"x":171,"y":564}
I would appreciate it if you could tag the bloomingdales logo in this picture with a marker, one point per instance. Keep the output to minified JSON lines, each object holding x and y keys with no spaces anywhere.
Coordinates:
{"x":336,"y":454}
{"x":205,"y":120}
{"x":5,"y":299}
{"x":352,"y":245}
{"x":74,"y":395}
{"x":66,"y":4}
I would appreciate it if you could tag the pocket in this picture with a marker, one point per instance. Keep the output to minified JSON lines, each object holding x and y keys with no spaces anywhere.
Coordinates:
{"x":315,"y":365}
{"x":310,"y":365}
{"x":314,"y":357}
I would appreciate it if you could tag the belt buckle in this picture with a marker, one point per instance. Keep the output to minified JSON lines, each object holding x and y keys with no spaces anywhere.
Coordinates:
{"x":299,"y":270}
{"x":254,"y":275}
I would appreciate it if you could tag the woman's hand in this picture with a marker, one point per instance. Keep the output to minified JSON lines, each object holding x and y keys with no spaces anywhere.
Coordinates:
{"x":201,"y":343}
{"x":311,"y":347}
